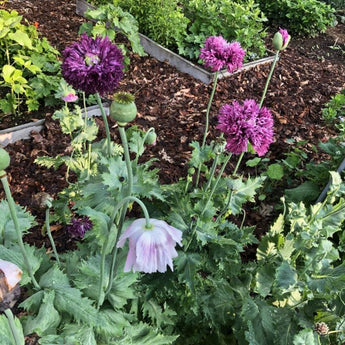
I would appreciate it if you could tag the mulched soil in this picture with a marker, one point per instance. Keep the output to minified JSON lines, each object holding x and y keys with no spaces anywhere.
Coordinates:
{"x":308,"y":73}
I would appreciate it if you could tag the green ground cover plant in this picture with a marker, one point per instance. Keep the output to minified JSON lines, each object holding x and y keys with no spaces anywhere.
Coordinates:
{"x":30,"y":67}
{"x":182,"y":276}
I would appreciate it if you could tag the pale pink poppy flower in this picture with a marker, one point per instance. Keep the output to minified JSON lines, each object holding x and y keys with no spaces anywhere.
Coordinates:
{"x":150,"y":250}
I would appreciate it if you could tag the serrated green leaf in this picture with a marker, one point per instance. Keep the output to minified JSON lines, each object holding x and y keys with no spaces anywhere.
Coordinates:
{"x":47,"y":318}
{"x":13,"y":254}
{"x":242,"y":192}
{"x":8,"y":233}
{"x":111,"y":323}
{"x":305,"y":337}
{"x":68,"y":299}
{"x":265,"y":279}
{"x":186,"y":264}
{"x":122,"y":289}
{"x":157,"y":314}
{"x":286,"y":276}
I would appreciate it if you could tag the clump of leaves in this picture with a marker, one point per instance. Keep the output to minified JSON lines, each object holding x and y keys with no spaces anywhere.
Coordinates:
{"x":30,"y":70}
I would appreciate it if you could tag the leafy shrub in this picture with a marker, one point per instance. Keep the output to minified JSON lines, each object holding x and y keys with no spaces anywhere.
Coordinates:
{"x":337,"y":4}
{"x":335,"y":108}
{"x":112,"y":20}
{"x":162,"y":21}
{"x":185,"y":25}
{"x":30,"y":66}
{"x":300,"y":17}
{"x":240,"y":21}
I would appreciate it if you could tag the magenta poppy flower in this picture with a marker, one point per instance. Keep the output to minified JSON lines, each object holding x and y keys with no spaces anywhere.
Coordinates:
{"x":70,"y":97}
{"x":218,"y":53}
{"x":246,"y":123}
{"x":150,"y":250}
{"x":93,"y":65}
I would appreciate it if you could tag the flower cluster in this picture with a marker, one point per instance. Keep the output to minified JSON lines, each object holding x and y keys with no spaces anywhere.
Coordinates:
{"x":246,"y":123}
{"x":150,"y":250}
{"x":218,"y":53}
{"x":93,"y":65}
{"x":79,"y":226}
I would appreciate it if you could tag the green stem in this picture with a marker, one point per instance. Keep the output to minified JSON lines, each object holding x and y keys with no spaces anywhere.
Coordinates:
{"x":207,"y":124}
{"x":209,"y":107}
{"x":85,"y":110}
{"x":51,"y":237}
{"x":16,"y":335}
{"x":276,"y":57}
{"x":213,"y":169}
{"x":238,"y":163}
{"x":106,"y":125}
{"x":13,"y":212}
{"x":117,"y":207}
{"x":216,"y":183}
{"x":127,"y":160}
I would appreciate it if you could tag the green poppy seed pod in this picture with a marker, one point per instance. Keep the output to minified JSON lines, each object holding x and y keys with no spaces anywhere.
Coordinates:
{"x":4,"y":159}
{"x":123,"y":108}
{"x":277,"y":41}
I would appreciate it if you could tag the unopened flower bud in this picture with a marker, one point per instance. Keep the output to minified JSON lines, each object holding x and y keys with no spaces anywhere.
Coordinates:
{"x":123,"y":108}
{"x":151,"y":138}
{"x":281,"y":39}
{"x":4,"y":159}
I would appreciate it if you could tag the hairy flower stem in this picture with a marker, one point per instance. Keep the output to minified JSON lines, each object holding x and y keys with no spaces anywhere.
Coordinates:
{"x":10,"y":318}
{"x":207,"y":124}
{"x":13,"y":212}
{"x":276,"y":58}
{"x":117,"y":207}
{"x":106,"y":125}
{"x":50,"y":236}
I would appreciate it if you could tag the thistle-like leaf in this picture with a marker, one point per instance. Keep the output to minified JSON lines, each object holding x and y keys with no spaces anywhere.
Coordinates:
{"x":242,"y":192}
{"x":47,"y":319}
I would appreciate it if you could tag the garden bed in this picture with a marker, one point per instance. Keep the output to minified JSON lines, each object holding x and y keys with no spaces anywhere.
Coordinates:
{"x":181,"y":64}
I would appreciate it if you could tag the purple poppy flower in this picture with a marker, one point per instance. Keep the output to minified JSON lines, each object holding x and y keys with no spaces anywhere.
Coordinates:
{"x":246,"y":123}
{"x":150,"y":250}
{"x":70,"y":97}
{"x":218,"y":53}
{"x":93,"y":65}
{"x":79,"y":226}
